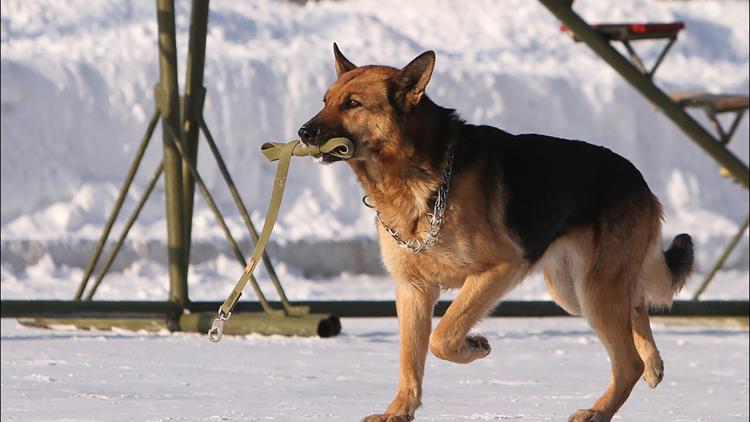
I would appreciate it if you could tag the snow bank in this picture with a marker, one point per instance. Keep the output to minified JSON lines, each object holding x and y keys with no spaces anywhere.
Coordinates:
{"x":77,"y":85}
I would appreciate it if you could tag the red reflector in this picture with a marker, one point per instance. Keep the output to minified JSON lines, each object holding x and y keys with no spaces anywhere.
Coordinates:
{"x":647,"y":28}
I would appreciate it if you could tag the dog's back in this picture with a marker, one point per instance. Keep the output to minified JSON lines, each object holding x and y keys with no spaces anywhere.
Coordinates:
{"x":551,"y":185}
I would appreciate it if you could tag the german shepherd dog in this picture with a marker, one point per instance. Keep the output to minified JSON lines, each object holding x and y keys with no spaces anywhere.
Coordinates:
{"x":516,"y":203}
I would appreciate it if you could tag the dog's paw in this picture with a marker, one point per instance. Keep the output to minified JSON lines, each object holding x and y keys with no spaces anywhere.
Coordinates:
{"x":478,"y":346}
{"x":588,"y":415}
{"x":653,"y":372}
{"x":471,"y":348}
{"x":387,"y":417}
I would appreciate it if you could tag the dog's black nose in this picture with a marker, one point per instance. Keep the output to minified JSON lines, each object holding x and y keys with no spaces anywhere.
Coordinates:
{"x":305,"y":134}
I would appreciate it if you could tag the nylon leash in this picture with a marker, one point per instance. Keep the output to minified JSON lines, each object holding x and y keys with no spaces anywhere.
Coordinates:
{"x":281,"y":152}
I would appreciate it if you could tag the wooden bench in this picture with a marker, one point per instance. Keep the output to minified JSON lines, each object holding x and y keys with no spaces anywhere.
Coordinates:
{"x":719,"y":103}
{"x":633,"y":31}
{"x":713,"y":105}
{"x":626,"y":32}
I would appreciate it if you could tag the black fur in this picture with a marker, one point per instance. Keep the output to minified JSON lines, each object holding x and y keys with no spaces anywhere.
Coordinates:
{"x":679,"y":256}
{"x":551,"y":184}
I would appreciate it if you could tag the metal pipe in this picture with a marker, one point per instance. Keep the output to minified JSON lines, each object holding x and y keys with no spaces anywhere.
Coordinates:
{"x":646,"y":87}
{"x":310,"y":325}
{"x":722,"y":258}
{"x":118,"y":203}
{"x":192,"y":107}
{"x":222,"y":224}
{"x":134,"y":216}
{"x":168,"y":101}
{"x":245,"y":216}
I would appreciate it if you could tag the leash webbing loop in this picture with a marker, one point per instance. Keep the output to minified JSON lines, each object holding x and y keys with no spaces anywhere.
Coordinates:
{"x":283,"y":152}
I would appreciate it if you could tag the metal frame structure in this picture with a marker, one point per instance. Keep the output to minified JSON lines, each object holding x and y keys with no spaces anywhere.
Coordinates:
{"x":182,"y":122}
{"x":642,"y":80}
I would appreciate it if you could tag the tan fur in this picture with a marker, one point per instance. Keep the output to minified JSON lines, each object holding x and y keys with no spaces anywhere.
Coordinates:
{"x":608,"y":275}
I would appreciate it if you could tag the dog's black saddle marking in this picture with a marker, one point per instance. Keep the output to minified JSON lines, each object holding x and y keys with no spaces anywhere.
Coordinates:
{"x":551,"y":184}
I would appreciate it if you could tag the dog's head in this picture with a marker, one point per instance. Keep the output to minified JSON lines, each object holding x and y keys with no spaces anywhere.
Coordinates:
{"x":370,"y":105}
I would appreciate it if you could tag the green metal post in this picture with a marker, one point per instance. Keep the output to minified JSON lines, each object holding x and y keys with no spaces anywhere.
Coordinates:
{"x":168,"y":101}
{"x":563,"y":11}
{"x":192,"y":107}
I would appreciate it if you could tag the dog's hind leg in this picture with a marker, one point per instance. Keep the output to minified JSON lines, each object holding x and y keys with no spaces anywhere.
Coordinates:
{"x":561,"y":288}
{"x":644,"y":342}
{"x":606,"y":305}
{"x":479,"y":293}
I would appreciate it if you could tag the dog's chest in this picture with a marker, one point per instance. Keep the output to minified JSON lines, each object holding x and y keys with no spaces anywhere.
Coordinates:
{"x":443,"y":264}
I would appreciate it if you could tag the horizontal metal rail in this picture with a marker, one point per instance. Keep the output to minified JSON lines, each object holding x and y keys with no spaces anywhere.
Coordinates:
{"x":95,"y":308}
{"x":360,"y":309}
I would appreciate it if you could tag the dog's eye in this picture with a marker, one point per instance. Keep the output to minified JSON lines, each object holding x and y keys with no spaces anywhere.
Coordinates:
{"x":353,"y":103}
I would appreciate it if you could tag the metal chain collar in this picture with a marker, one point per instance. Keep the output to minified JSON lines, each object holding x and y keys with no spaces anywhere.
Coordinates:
{"x":436,"y":217}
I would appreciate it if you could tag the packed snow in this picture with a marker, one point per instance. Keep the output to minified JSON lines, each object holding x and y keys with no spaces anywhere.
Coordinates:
{"x":539,"y":370}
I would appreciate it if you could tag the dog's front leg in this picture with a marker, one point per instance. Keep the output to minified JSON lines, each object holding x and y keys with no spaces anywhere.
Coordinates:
{"x":450,"y":340}
{"x":414,"y":305}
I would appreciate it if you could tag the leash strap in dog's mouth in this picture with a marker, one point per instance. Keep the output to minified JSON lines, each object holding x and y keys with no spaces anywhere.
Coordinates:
{"x":338,"y":147}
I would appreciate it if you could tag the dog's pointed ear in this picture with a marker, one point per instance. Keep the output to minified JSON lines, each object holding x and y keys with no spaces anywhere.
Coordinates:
{"x":413,"y":78}
{"x":343,"y":64}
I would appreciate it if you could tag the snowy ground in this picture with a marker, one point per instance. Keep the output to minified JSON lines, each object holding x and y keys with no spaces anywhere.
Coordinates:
{"x":539,"y":370}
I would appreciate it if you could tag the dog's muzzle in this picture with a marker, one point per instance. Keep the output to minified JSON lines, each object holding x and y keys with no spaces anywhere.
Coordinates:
{"x":308,"y":135}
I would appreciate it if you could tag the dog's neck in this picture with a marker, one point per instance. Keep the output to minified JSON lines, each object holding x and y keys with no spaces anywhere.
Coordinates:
{"x":401,"y":186}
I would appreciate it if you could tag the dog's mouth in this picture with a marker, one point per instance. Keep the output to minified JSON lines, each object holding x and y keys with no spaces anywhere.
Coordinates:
{"x":328,"y":158}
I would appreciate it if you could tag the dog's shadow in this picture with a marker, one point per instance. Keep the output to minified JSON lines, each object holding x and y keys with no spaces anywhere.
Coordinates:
{"x":379,"y":336}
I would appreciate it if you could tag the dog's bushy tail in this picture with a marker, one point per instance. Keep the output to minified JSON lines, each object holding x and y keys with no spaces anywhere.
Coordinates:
{"x":679,"y":259}
{"x":665,"y":272}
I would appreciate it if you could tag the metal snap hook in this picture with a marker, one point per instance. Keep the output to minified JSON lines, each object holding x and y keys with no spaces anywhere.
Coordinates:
{"x":217,"y":328}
